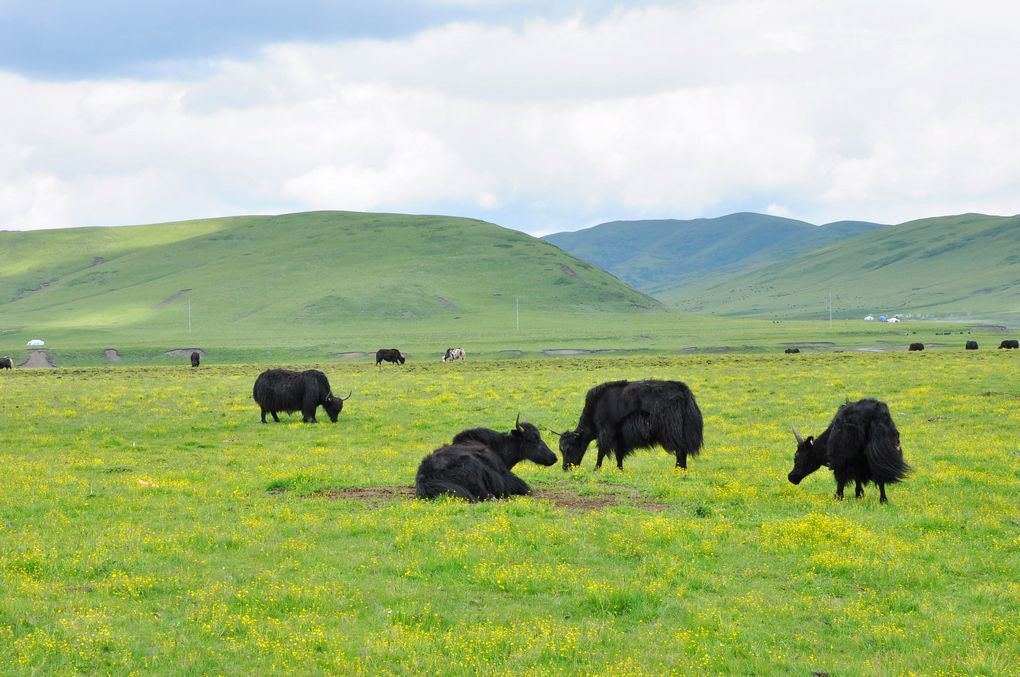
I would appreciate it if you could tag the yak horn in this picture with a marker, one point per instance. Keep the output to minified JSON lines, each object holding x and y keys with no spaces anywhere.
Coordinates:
{"x":517,"y":423}
{"x":554,"y":432}
{"x":800,"y":440}
{"x":348,"y":396}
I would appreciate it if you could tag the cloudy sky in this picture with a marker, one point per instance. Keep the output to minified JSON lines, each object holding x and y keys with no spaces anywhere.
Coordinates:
{"x":540,"y":116}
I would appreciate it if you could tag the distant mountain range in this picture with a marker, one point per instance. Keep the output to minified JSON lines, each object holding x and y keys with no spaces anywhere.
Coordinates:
{"x":760,"y":265}
{"x":658,"y":254}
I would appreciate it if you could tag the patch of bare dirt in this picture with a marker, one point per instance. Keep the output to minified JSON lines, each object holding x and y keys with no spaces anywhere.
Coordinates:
{"x":112,"y":355}
{"x":98,"y":261}
{"x":566,"y":351}
{"x":350,"y":355}
{"x":39,"y":359}
{"x":989,"y":327}
{"x":568,"y":270}
{"x":184,"y":352}
{"x":808,"y":343}
{"x":512,"y":353}
{"x":562,"y":498}
{"x":173,"y":297}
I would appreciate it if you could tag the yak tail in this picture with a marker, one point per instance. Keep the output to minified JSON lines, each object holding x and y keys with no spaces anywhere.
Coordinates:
{"x":430,"y":487}
{"x":682,"y":424}
{"x":885,"y":457}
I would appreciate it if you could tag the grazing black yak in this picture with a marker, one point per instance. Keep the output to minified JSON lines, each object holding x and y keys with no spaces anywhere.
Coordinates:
{"x":389,"y":355}
{"x":1009,"y":344}
{"x":476,"y":465}
{"x":792,"y":351}
{"x":623,"y":416}
{"x":916,"y":346}
{"x":861,"y":444}
{"x":972,"y":345}
{"x":195,"y":358}
{"x":5,"y":363}
{"x":285,"y":390}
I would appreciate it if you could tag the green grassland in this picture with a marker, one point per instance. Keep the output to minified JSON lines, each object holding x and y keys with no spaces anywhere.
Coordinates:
{"x":149,"y":523}
{"x":961,"y":267}
{"x":290,"y":281}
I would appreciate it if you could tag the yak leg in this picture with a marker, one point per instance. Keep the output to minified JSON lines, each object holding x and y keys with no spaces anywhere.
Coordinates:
{"x":859,"y":490}
{"x":263,"y":415}
{"x":881,"y":489}
{"x":841,"y":480}
{"x":602,"y":454}
{"x":681,"y":460}
{"x":275,"y":417}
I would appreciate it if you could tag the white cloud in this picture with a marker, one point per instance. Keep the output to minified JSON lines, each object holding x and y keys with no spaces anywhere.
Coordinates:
{"x":831,"y":110}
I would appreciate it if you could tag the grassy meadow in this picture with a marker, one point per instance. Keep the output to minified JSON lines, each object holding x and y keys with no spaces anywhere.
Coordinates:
{"x":149,"y":523}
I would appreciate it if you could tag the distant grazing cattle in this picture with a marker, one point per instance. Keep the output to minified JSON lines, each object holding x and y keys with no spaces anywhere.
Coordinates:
{"x":1009,"y":344}
{"x":5,"y":363}
{"x":285,"y":390}
{"x":388,"y":355}
{"x":972,"y":345}
{"x":477,"y":464}
{"x":861,"y":444}
{"x":791,"y":351}
{"x":623,"y":416}
{"x":916,"y":346}
{"x":453,"y":354}
{"x":195,"y":358}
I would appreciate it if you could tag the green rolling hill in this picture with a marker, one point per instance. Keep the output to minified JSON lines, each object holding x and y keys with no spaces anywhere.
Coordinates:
{"x":965,"y":266}
{"x":292,"y":280}
{"x":653,"y":255}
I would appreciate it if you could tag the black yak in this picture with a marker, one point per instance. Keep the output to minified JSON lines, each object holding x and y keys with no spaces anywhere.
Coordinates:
{"x":861,"y":444}
{"x":792,"y":351}
{"x":285,"y":390}
{"x":5,"y":363}
{"x":623,"y":416}
{"x":195,"y":358}
{"x":972,"y":345}
{"x":476,"y":465}
{"x":453,"y":354}
{"x":389,"y":355}
{"x":916,"y":346}
{"x":1009,"y":344}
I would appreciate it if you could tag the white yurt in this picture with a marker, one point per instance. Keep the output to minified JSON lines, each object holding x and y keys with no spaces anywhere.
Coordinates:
{"x":36,"y":342}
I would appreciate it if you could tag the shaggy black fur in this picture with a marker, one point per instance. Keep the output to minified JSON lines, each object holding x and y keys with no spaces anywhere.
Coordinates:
{"x":476,"y":465}
{"x":792,"y":351}
{"x":916,"y":346}
{"x":972,"y":345}
{"x":195,"y":358}
{"x":623,"y":416}
{"x":5,"y":363}
{"x":1010,"y":344}
{"x":389,"y":355}
{"x":285,"y":390}
{"x":861,"y":444}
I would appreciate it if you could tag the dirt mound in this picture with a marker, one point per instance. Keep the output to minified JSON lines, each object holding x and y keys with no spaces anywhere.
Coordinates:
{"x":184,"y":352}
{"x":112,"y":355}
{"x":173,"y":297}
{"x":562,"y":498}
{"x":40,"y":359}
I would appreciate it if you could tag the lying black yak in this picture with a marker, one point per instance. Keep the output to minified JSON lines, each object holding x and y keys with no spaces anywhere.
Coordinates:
{"x":5,"y":363}
{"x":972,"y":345}
{"x":196,"y":357}
{"x":285,"y":390}
{"x":916,"y":346}
{"x":1010,"y":344}
{"x":476,"y":465}
{"x":388,"y":355}
{"x":792,"y":351}
{"x":623,"y":416}
{"x":861,"y":444}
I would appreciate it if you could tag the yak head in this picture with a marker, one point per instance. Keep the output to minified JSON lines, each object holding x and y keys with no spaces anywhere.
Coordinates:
{"x":572,"y":448}
{"x":807,"y":459}
{"x":334,"y":405}
{"x":529,"y":441}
